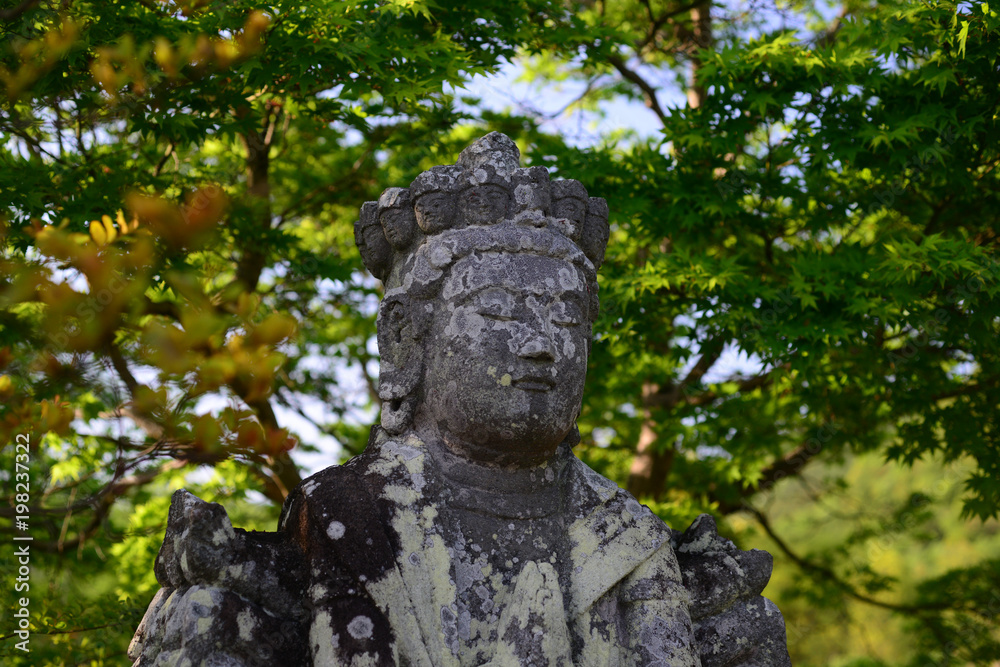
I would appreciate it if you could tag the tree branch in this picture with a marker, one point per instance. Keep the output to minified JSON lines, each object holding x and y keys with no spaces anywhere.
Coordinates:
{"x":650,"y":468}
{"x":710,"y":353}
{"x":49,"y":633}
{"x":673,"y":396}
{"x":101,"y":503}
{"x":121,"y":366}
{"x":301,"y":202}
{"x":829,"y":575}
{"x":789,"y":465}
{"x":258,"y":145}
{"x":701,"y":17}
{"x":658,"y":22}
{"x":283,"y":475}
{"x":988,"y":383}
{"x":165,"y":308}
{"x":647,"y":90}
{"x":827,"y":37}
{"x":163,"y":160}
{"x":15,"y":13}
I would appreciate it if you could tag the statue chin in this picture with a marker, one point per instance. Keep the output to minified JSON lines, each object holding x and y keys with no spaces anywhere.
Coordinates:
{"x":494,"y":432}
{"x":506,"y":449}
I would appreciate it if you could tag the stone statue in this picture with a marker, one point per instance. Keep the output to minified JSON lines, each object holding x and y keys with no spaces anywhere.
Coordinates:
{"x":467,"y":533}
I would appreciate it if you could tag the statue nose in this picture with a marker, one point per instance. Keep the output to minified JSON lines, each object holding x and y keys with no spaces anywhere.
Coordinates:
{"x":537,"y":347}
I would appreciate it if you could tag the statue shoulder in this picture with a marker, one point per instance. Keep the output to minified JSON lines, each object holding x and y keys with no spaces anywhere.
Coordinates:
{"x":339,"y":486}
{"x":616,"y":542}
{"x":341,"y":522}
{"x":314,"y":492}
{"x":620,"y":543}
{"x":593,"y":495}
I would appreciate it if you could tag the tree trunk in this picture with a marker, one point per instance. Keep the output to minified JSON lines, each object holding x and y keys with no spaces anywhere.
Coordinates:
{"x":651,"y":465}
{"x":258,"y":147}
{"x":701,"y":18}
{"x":648,"y":474}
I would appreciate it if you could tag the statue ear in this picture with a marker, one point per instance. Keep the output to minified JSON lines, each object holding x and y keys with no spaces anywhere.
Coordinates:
{"x":401,"y":352}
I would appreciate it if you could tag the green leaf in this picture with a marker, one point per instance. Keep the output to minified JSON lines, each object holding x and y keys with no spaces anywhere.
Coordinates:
{"x":963,"y":35}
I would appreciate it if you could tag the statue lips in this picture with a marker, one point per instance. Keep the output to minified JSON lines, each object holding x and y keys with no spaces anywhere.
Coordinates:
{"x":534,"y":383}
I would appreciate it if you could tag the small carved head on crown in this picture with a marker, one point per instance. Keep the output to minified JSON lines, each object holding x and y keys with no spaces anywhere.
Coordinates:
{"x":485,"y":203}
{"x":486,"y":187}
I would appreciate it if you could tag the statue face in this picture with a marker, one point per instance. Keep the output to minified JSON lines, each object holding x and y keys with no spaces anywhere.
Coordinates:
{"x":570,"y":208}
{"x":484,"y":204}
{"x":379,"y":250}
{"x":434,"y":211}
{"x":506,"y":356}
{"x":397,"y":223}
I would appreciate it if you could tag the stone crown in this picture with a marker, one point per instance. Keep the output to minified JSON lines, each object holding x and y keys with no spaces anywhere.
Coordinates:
{"x":486,"y":187}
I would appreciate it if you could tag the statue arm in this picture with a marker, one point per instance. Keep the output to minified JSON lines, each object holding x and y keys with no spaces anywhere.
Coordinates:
{"x":226,"y":594}
{"x":734,"y":625}
{"x":656,"y":613}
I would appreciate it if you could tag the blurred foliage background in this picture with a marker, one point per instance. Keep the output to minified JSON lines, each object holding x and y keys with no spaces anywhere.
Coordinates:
{"x":799,"y":308}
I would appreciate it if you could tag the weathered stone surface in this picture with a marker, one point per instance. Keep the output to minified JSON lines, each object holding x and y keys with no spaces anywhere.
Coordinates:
{"x":229,"y":597}
{"x":734,"y":624}
{"x":467,"y":533}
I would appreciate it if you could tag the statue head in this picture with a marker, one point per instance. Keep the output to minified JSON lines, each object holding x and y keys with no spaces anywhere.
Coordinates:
{"x":490,"y":295}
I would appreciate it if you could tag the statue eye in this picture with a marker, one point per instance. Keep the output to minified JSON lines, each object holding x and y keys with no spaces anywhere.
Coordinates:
{"x":495,"y":304}
{"x":565,"y":315}
{"x":496,"y":316}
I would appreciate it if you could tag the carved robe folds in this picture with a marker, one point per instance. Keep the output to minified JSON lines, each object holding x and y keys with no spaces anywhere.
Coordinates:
{"x":397,"y":560}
